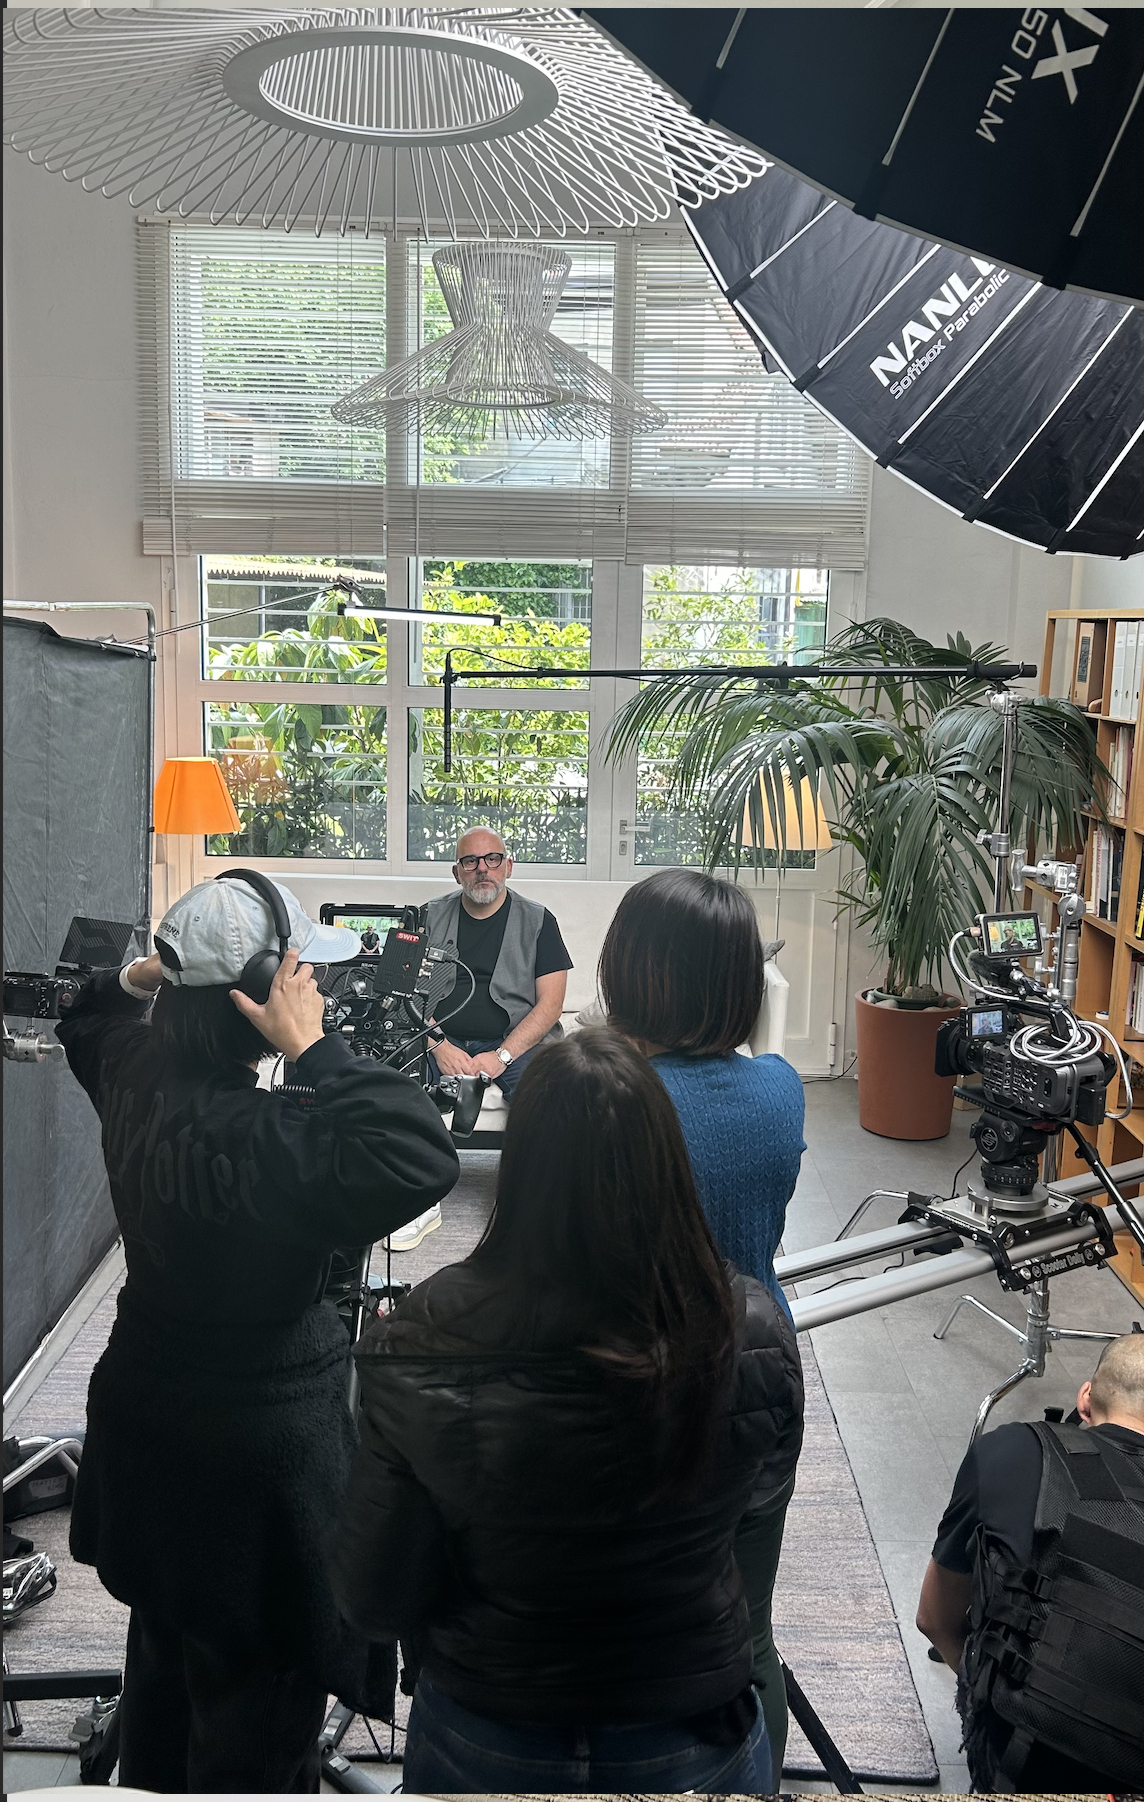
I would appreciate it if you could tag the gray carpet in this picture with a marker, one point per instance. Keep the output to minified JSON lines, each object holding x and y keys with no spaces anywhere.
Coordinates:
{"x":834,"y":1622}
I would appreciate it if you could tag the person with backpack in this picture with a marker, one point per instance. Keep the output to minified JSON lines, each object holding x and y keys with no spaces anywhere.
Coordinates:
{"x":1035,"y":1593}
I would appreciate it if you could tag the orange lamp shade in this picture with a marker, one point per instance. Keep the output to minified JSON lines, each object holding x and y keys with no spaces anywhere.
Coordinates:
{"x":812,"y":833}
{"x":191,"y":795}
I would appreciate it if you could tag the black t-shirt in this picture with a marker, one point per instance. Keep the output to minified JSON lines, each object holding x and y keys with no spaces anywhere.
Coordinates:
{"x":478,"y":945}
{"x":997,"y":1487}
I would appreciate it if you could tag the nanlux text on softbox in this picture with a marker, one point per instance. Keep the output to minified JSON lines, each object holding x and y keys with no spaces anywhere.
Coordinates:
{"x":76,"y":841}
{"x":1019,"y":406}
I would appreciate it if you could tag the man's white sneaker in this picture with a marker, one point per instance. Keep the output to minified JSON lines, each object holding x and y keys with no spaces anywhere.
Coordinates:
{"x":412,"y":1233}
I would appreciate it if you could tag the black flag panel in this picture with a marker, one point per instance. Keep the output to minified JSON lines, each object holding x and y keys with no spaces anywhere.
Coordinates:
{"x":1017,"y":133}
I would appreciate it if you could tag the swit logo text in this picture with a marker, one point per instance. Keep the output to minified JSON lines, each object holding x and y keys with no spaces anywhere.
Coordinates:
{"x":1026,"y":42}
{"x":945,"y":313}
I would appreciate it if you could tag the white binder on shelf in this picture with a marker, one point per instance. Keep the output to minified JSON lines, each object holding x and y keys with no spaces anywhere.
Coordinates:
{"x":1115,"y":706}
{"x":1137,"y":662}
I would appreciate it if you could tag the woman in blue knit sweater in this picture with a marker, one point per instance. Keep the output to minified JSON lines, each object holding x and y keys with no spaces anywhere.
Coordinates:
{"x":681,"y":974}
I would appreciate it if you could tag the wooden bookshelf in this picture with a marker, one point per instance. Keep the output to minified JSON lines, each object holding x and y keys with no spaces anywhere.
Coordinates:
{"x":1109,"y":948}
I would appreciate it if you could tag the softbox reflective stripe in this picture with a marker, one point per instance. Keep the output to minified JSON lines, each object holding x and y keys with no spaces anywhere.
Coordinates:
{"x":1017,"y":133}
{"x":1017,"y":405}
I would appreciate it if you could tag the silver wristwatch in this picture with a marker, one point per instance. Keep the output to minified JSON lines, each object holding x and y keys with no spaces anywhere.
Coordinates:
{"x":505,"y":1056}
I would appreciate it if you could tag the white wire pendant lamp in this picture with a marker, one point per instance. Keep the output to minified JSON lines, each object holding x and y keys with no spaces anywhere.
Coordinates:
{"x":500,"y":366}
{"x":519,"y":122}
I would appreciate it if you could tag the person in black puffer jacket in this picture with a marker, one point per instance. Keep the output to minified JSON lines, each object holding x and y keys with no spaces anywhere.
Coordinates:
{"x":559,"y":1437}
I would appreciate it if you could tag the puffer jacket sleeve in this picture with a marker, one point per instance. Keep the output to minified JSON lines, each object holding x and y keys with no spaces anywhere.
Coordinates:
{"x":769,"y":1393}
{"x":387,"y":1556}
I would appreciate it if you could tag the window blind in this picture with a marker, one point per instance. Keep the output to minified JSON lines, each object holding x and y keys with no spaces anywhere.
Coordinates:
{"x":747,"y":471}
{"x":248,"y":337}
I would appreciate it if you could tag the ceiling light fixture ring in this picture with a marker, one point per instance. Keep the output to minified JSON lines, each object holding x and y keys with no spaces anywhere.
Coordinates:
{"x":440,"y":88}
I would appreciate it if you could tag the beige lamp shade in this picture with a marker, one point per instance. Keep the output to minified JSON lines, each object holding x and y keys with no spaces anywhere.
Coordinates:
{"x":191,"y":795}
{"x":812,"y":835}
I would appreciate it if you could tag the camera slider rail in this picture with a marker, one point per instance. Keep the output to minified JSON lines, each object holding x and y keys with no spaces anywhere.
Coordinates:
{"x":1012,"y":1242}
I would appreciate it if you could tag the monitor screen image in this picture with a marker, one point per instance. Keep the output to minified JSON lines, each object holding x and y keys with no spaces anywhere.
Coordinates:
{"x":373,"y":925}
{"x":1011,"y":935}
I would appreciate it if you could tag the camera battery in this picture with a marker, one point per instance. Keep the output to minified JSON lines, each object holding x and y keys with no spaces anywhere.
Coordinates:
{"x":399,"y":967}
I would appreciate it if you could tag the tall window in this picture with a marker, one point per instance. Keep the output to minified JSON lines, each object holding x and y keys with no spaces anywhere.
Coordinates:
{"x":282,"y":619}
{"x":546,"y":611}
{"x":524,"y":773}
{"x":307,"y":781}
{"x":698,"y":615}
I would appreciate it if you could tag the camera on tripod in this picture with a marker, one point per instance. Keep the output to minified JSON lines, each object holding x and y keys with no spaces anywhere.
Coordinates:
{"x":1041,"y":1068}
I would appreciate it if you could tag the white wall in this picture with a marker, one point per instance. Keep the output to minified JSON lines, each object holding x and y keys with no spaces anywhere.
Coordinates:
{"x":69,"y":347}
{"x":939,"y":575}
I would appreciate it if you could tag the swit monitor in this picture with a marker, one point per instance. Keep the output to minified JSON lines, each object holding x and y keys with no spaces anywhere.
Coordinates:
{"x":372,"y":924}
{"x":1007,"y":937}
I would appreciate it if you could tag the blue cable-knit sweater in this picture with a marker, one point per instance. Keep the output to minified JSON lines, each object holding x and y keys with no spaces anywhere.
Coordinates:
{"x":742,"y":1118}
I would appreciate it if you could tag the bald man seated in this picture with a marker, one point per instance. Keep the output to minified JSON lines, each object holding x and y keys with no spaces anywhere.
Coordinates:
{"x":518,"y":961}
{"x":1035,"y":1593}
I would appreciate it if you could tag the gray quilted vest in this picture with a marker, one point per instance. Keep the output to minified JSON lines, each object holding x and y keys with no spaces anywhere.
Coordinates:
{"x":513,"y":984}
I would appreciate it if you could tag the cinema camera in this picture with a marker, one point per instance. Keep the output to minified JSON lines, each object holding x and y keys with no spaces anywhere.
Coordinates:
{"x":381,"y":1002}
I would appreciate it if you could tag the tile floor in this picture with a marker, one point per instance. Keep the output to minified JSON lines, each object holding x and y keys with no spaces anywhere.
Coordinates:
{"x":904,"y":1401}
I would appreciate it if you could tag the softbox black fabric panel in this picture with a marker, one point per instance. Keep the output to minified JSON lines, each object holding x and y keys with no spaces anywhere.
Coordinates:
{"x":1019,"y":406}
{"x":76,"y":841}
{"x":1013,"y":133}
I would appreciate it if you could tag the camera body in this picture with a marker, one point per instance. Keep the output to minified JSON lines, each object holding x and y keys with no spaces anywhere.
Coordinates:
{"x":978,"y":1041}
{"x":32,"y":996}
{"x":1040,"y":1069}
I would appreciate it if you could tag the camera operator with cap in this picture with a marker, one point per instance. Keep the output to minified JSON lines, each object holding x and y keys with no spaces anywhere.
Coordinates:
{"x":219,"y":1437}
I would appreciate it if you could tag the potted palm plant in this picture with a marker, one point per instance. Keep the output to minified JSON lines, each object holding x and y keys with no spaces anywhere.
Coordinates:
{"x":912,"y":771}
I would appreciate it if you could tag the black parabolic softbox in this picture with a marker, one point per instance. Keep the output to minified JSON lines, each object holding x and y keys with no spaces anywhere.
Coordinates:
{"x":1013,"y":132}
{"x":76,"y":842}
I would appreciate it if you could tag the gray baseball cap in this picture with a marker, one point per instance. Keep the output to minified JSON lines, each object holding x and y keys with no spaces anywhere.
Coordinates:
{"x":216,"y":928}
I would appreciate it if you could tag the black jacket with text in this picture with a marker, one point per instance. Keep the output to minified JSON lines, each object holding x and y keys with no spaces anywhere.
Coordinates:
{"x":490,"y":1519}
{"x":219,"y":1438}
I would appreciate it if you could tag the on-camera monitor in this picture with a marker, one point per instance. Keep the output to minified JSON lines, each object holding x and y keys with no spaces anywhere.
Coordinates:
{"x":1011,"y":935}
{"x":372,"y":924}
{"x":987,"y":1023}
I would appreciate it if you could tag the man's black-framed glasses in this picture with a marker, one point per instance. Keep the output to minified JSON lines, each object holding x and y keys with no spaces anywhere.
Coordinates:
{"x":492,"y":860}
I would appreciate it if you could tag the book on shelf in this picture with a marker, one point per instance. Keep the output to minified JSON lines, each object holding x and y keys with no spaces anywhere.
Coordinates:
{"x":1120,"y":754}
{"x":1107,"y":859}
{"x":1124,"y":697}
{"x":1139,"y":932}
{"x":1137,"y":668}
{"x":1134,"y":1020}
{"x":1088,"y":670}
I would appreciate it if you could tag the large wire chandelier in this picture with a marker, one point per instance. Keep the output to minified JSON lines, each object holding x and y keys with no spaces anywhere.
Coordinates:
{"x":500,"y":366}
{"x":496,"y":121}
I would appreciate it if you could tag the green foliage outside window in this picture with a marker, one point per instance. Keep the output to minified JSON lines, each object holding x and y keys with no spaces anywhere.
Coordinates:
{"x":523,"y":773}
{"x":538,"y":602}
{"x":307,"y":780}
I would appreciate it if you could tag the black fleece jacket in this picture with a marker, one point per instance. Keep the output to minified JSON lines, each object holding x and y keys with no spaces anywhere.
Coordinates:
{"x":231,"y":1198}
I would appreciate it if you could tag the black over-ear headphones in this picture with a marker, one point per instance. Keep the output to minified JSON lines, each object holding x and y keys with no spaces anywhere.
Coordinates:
{"x":260,"y":970}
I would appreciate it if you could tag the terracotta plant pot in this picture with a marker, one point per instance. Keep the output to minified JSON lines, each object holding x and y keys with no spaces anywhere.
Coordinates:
{"x":899,"y":1096}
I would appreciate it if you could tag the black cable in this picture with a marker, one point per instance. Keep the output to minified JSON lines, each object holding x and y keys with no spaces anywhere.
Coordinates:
{"x":402,"y":1050}
{"x":836,"y":1076}
{"x":960,"y":1168}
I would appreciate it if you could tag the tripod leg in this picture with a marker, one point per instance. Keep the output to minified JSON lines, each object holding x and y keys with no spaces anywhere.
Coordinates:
{"x":972,"y":1301}
{"x":833,"y":1763}
{"x":998,"y":1394}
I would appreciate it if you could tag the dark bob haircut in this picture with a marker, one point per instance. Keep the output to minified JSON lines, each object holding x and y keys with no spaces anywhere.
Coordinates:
{"x":200,"y":1032}
{"x":682,"y":964}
